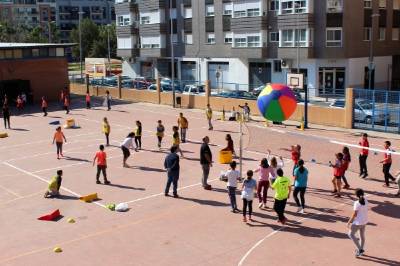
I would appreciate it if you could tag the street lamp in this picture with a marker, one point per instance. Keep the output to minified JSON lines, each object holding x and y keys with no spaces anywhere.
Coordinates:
{"x":172,"y":54}
{"x":108,"y":47}
{"x":371,"y":53}
{"x":80,"y":42}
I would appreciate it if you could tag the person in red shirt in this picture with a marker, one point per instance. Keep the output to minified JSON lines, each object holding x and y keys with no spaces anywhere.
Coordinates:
{"x":387,"y":163}
{"x":101,"y":158}
{"x":363,"y":155}
{"x":87,"y":101}
{"x":296,"y":153}
{"x":44,"y":106}
{"x":337,"y":174}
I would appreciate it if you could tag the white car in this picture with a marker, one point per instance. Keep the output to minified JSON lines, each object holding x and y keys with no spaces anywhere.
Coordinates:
{"x":194,"y":89}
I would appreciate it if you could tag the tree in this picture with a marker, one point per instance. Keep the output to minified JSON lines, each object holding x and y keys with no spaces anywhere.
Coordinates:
{"x":36,"y":35}
{"x":90,"y":32}
{"x":25,"y":33}
{"x":100,"y":45}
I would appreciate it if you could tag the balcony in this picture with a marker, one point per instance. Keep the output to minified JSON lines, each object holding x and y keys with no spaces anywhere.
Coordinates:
{"x":290,"y":21}
{"x":123,"y":8}
{"x":249,"y":24}
{"x":152,"y":29}
{"x":291,"y":52}
{"x":127,"y":30}
{"x":153,"y":52}
{"x":250,"y":52}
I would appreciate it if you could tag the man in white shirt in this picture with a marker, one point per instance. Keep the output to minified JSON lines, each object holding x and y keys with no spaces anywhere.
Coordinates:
{"x":233,"y":177}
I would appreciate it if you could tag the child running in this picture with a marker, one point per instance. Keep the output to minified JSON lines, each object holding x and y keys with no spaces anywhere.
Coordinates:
{"x":59,"y":139}
{"x":346,"y":163}
{"x":358,"y":222}
{"x":175,"y":139}
{"x":275,"y":165}
{"x":296,"y":154}
{"x":101,"y":158}
{"x":337,"y":174}
{"x":44,"y":106}
{"x":106,"y":130}
{"x":54,"y":185}
{"x":248,"y":188}
{"x":283,"y":188}
{"x":125,"y":146}
{"x":138,"y":136}
{"x":300,"y":185}
{"x":387,"y":163}
{"x":363,"y":155}
{"x":233,"y":176}
{"x":263,"y":182}
{"x":160,"y":133}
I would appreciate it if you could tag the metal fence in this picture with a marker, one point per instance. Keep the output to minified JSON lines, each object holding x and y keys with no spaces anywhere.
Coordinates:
{"x":377,"y":110}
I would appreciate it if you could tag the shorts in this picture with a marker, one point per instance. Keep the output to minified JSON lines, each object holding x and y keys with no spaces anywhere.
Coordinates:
{"x":126,"y":152}
{"x":338,"y":177}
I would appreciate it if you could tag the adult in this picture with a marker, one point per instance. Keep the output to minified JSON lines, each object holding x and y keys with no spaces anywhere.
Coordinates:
{"x":209,"y":114}
{"x":363,"y":155}
{"x":300,"y":185}
{"x":358,"y":221}
{"x":6,"y":114}
{"x":282,"y":187}
{"x":171,"y":164}
{"x":183,"y":125}
{"x":229,"y":145}
{"x":387,"y":163}
{"x":125,"y":146}
{"x":206,"y":162}
{"x":107,"y":100}
{"x":246,"y":111}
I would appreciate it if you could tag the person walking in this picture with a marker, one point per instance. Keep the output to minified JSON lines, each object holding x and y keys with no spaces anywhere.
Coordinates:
{"x":107,"y":100}
{"x":283,"y":188}
{"x":101,"y":158}
{"x":346,"y":163}
{"x":358,"y":222}
{"x":337,"y":174}
{"x":387,"y":163}
{"x":248,"y":188}
{"x":138,"y":136}
{"x":87,"y":100}
{"x":160,"y":133}
{"x":183,"y":124}
{"x":59,"y":139}
{"x":6,"y":115}
{"x":232,"y":176}
{"x":362,"y":158}
{"x":106,"y":130}
{"x":209,"y":114}
{"x":206,"y":162}
{"x":66,"y":104}
{"x":125,"y":146}
{"x":300,"y":186}
{"x":176,"y":140}
{"x":171,"y":164}
{"x":44,"y":106}
{"x":263,"y":182}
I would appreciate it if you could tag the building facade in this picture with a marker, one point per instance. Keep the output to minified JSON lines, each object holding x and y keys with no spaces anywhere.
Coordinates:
{"x":254,"y":42}
{"x":65,"y":13}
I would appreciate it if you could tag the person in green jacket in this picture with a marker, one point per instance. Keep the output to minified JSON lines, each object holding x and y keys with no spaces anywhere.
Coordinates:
{"x":282,"y":187}
{"x":53,"y":189}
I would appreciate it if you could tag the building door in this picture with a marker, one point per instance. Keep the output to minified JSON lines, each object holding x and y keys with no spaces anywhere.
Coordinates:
{"x":259,"y":74}
{"x":218,"y":74}
{"x":332,"y":80}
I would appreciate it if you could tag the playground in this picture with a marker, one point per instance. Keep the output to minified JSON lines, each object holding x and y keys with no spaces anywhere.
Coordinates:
{"x":197,"y":228}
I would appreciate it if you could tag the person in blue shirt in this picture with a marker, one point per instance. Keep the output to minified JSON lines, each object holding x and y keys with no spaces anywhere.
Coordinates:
{"x":300,"y":185}
{"x":171,"y":163}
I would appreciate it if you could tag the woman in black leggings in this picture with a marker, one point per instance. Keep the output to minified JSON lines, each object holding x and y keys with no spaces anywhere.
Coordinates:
{"x":300,"y":185}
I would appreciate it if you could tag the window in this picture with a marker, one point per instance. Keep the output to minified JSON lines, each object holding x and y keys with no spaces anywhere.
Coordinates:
{"x":254,"y":12}
{"x":240,"y":42}
{"x":152,"y":42}
{"x":287,"y":38}
{"x":35,"y":52}
{"x":367,"y":34}
{"x":334,"y":6}
{"x":253,"y":41}
{"x":60,"y":52}
{"x":333,"y":37}
{"x":189,"y":39}
{"x":293,"y":6}
{"x":124,"y":43}
{"x":273,"y":5}
{"x":367,"y":3}
{"x":277,"y":66}
{"x":274,"y":36}
{"x":294,"y":38}
{"x":228,"y":37}
{"x":209,"y":10}
{"x":211,"y":38}
{"x":382,"y":34}
{"x":228,"y":9}
{"x":187,"y":12}
{"x":395,"y":34}
{"x":145,"y":20}
{"x":382,"y":4}
{"x":239,"y":14}
{"x":124,"y":20}
{"x":17,"y":53}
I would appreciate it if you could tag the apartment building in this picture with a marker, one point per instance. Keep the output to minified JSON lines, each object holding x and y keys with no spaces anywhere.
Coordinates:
{"x":65,"y":13}
{"x":258,"y":41}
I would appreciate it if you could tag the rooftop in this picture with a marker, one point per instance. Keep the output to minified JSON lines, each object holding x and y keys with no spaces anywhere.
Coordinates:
{"x":7,"y":45}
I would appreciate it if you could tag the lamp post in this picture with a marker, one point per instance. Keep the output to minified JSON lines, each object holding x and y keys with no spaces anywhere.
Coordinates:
{"x":371,"y":53}
{"x":172,"y":54}
{"x":80,"y":42}
{"x":108,"y":47}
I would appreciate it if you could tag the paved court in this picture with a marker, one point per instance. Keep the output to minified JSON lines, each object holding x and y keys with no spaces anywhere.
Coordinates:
{"x":196,"y":229}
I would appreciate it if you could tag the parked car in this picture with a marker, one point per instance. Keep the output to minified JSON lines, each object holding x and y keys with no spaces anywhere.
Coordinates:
{"x":194,"y":89}
{"x":168,"y":83}
{"x":110,"y":82}
{"x":237,"y":94}
{"x":164,"y":88}
{"x":134,"y":84}
{"x":364,"y":111}
{"x":148,"y":81}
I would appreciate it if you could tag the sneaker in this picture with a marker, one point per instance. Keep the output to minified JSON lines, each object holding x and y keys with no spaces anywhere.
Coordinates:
{"x":98,"y":182}
{"x":260,"y":205}
{"x":359,"y":253}
{"x":299,"y":209}
{"x":346,"y":186}
{"x":334,"y":191}
{"x":166,"y":194}
{"x":233,"y":210}
{"x":250,"y":219}
{"x":176,"y":196}
{"x":107,"y":182}
{"x":265,"y":205}
{"x":244,"y":219}
{"x":337,"y":196}
{"x":365,"y":176}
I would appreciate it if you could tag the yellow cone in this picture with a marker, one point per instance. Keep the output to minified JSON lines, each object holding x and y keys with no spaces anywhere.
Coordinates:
{"x":57,"y":249}
{"x":71,"y":220}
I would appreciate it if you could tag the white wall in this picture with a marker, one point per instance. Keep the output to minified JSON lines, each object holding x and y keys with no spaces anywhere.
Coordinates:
{"x":355,"y":73}
{"x":131,"y":70}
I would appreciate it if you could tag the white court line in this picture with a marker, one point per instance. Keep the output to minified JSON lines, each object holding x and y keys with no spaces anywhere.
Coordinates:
{"x":283,"y":227}
{"x":361,"y":147}
{"x":10,"y":191}
{"x":47,"y":182}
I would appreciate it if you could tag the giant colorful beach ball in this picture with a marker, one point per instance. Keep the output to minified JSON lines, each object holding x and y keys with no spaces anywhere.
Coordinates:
{"x":276,"y":102}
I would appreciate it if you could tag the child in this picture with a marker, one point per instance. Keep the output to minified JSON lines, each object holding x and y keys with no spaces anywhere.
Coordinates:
{"x":107,"y":100}
{"x":209,"y":114}
{"x":363,"y":155}
{"x":248,"y":188}
{"x":44,"y":106}
{"x":346,"y":162}
{"x":54,"y":185}
{"x":20,"y":104}
{"x":87,"y":99}
{"x":233,"y":176}
{"x":246,"y":111}
{"x":101,"y":158}
{"x":296,"y":153}
{"x":233,"y":115}
{"x":66,"y":104}
{"x":398,"y":183}
{"x":175,"y":139}
{"x":184,"y":125}
{"x":283,"y":188}
{"x":337,"y":174}
{"x":125,"y":146}
{"x":230,"y":145}
{"x":387,"y":163}
{"x":275,"y":165}
{"x":263,"y":182}
{"x":106,"y":130}
{"x":138,"y":136}
{"x":160,"y":133}
{"x":300,"y":185}
{"x":358,"y":222}
{"x":59,"y":138}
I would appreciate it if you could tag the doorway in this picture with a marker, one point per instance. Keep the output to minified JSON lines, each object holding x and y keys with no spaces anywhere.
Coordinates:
{"x":332,"y":81}
{"x":259,"y":74}
{"x":13,"y":88}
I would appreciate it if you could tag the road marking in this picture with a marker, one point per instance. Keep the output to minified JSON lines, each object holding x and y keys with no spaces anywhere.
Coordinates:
{"x":10,"y":191}
{"x":22,"y":197}
{"x":361,"y":147}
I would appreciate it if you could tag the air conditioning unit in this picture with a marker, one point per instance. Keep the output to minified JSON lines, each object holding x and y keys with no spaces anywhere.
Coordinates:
{"x":286,"y":63}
